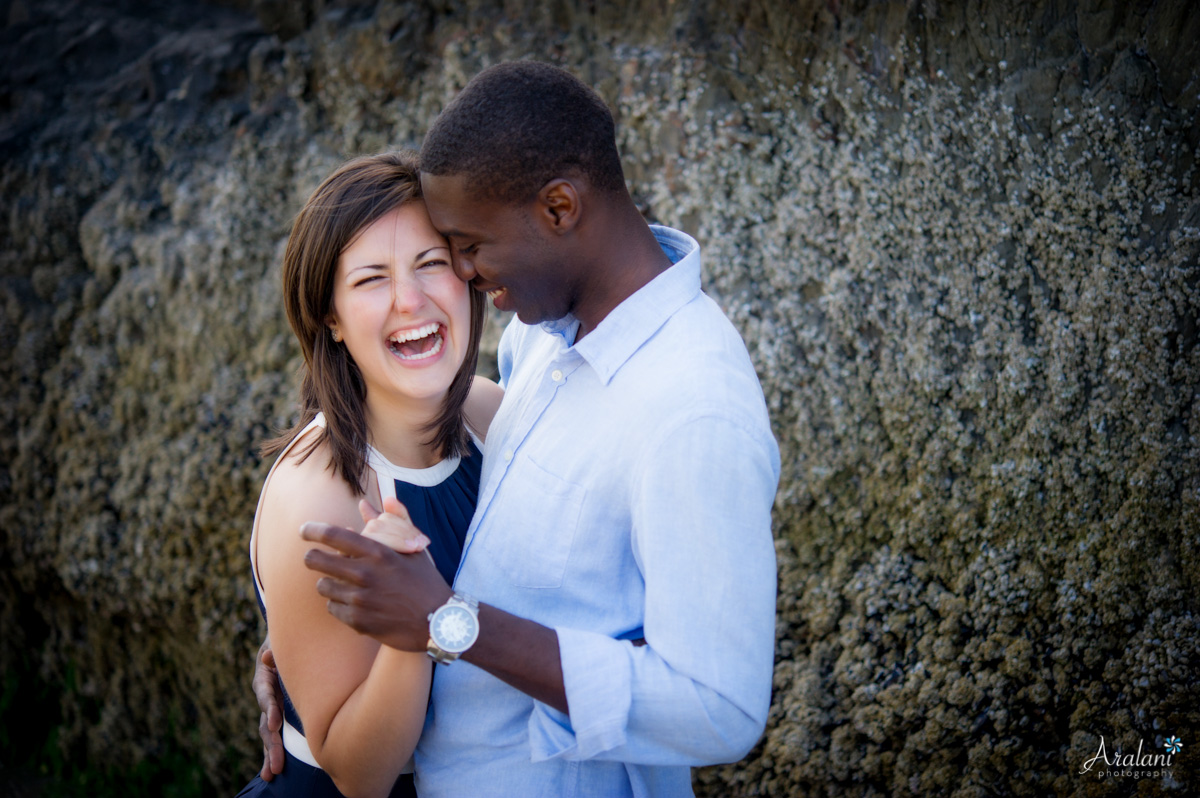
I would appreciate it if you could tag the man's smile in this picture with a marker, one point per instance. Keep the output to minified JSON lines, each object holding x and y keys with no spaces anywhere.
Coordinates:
{"x":495,"y":292}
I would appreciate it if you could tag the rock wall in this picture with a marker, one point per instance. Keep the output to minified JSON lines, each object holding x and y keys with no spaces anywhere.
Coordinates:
{"x":960,"y":239}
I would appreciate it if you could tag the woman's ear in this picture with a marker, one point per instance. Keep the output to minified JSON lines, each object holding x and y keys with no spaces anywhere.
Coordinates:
{"x":559,"y":203}
{"x":332,"y":324}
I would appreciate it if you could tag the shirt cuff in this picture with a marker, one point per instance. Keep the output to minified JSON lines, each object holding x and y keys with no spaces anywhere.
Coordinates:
{"x":597,"y":676}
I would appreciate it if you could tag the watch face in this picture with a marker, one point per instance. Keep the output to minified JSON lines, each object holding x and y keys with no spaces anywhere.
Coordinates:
{"x":454,"y":629}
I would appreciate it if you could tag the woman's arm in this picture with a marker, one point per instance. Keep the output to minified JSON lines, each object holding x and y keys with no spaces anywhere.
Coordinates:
{"x":362,"y":704}
{"x":481,"y":405}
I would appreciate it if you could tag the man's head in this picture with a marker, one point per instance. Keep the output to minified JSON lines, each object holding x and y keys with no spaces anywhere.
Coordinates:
{"x":507,"y":170}
{"x":518,"y":125}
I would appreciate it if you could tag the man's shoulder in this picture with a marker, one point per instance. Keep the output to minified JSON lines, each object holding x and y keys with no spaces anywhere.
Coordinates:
{"x":698,"y":360}
{"x":699,"y":336}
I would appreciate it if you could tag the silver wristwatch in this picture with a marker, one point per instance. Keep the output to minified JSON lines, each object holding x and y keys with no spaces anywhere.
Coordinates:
{"x":453,"y":628}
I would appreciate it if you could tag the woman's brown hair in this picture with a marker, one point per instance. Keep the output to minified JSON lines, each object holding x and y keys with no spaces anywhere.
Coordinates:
{"x":359,"y":193}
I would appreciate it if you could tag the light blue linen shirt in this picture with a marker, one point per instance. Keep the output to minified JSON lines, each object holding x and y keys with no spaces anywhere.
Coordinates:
{"x":626,"y":492}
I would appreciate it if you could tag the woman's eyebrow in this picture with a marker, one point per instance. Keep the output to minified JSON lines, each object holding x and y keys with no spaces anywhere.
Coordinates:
{"x":376,"y":266}
{"x":431,"y":249}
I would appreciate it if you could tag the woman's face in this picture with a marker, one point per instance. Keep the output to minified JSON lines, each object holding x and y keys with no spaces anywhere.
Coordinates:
{"x":400,"y":310}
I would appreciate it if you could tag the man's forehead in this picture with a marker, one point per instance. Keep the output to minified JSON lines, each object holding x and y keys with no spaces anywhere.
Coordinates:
{"x":443,"y":187}
{"x":457,"y":211}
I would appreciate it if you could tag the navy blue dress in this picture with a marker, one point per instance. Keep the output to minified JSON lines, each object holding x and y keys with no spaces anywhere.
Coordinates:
{"x":443,"y":512}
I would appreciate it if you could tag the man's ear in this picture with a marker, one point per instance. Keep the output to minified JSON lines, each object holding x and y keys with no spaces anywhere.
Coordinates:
{"x":559,"y":205}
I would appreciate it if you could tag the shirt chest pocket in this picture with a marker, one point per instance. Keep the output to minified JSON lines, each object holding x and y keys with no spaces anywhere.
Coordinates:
{"x":535,"y":525}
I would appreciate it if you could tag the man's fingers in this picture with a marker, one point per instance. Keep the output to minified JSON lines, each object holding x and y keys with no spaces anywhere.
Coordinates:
{"x":338,"y":591}
{"x":270,"y":722}
{"x":264,"y":685}
{"x":265,"y":690}
{"x":273,"y":756}
{"x":275,"y":719}
{"x":346,"y":541}
{"x":344,"y":613}
{"x":342,"y":569}
{"x":273,"y":759}
{"x":343,"y":604}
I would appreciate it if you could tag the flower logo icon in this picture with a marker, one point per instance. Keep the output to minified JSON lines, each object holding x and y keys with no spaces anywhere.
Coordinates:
{"x":1173,"y":744}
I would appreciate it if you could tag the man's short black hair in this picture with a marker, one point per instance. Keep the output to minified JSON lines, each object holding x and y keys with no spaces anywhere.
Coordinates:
{"x":520,"y":124}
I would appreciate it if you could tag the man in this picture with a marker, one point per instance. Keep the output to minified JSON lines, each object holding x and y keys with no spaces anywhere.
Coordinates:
{"x":621,"y":552}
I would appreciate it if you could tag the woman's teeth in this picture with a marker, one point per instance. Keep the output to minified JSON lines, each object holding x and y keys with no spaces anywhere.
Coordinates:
{"x":414,"y":344}
{"x":414,"y":334}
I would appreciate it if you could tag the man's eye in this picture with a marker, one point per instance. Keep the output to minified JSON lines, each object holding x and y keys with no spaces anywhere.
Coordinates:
{"x":468,"y":250}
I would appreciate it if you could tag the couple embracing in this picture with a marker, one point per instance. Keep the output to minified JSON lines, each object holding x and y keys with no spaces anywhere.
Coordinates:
{"x":584,"y":550}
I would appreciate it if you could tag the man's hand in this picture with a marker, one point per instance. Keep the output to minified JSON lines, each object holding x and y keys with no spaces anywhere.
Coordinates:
{"x":270,"y":723}
{"x":373,"y":589}
{"x":389,"y":596}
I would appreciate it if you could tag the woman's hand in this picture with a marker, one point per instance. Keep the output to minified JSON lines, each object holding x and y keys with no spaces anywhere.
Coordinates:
{"x":393,"y":527}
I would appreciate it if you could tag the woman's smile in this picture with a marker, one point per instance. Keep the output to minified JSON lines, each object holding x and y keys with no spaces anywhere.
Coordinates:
{"x":418,"y":345}
{"x":396,"y":287}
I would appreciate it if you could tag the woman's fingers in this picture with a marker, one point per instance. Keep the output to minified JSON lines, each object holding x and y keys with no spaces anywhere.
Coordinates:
{"x":394,"y":529}
{"x":393,"y":506}
{"x":405,"y":540}
{"x":367,"y":511}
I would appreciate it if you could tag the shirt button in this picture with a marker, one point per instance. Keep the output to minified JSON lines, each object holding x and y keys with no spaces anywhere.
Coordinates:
{"x":508,"y":455}
{"x":556,"y":375}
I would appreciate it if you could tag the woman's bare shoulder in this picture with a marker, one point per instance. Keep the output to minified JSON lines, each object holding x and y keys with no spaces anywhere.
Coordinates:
{"x":304,"y":487}
{"x":481,"y":405}
{"x":305,"y":465}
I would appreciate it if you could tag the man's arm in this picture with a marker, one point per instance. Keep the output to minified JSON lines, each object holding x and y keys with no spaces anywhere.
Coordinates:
{"x":699,"y":691}
{"x":389,"y":596}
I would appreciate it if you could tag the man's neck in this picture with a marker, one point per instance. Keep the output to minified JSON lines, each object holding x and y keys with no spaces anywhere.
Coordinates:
{"x":628,"y":258}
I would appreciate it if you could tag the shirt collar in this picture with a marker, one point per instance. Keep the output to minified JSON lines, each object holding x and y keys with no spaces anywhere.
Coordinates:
{"x":630,"y":324}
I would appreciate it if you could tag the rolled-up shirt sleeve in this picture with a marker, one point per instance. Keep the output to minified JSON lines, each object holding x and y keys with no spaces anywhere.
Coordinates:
{"x":698,"y":692}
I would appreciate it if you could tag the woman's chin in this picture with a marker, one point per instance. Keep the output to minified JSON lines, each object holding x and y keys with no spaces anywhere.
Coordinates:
{"x":423,"y":383}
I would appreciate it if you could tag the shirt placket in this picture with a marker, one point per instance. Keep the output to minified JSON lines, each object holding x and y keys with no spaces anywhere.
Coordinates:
{"x":552,"y":377}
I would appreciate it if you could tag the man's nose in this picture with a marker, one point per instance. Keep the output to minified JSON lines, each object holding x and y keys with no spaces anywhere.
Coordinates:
{"x":462,"y":267}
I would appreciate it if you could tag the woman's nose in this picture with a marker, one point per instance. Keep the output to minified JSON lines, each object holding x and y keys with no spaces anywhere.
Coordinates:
{"x":407,"y":295}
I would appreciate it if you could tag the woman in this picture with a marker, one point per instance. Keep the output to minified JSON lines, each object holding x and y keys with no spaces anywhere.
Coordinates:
{"x":389,"y":409}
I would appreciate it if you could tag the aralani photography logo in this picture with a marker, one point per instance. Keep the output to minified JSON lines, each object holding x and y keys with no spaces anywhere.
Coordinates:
{"x":1116,"y":763}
